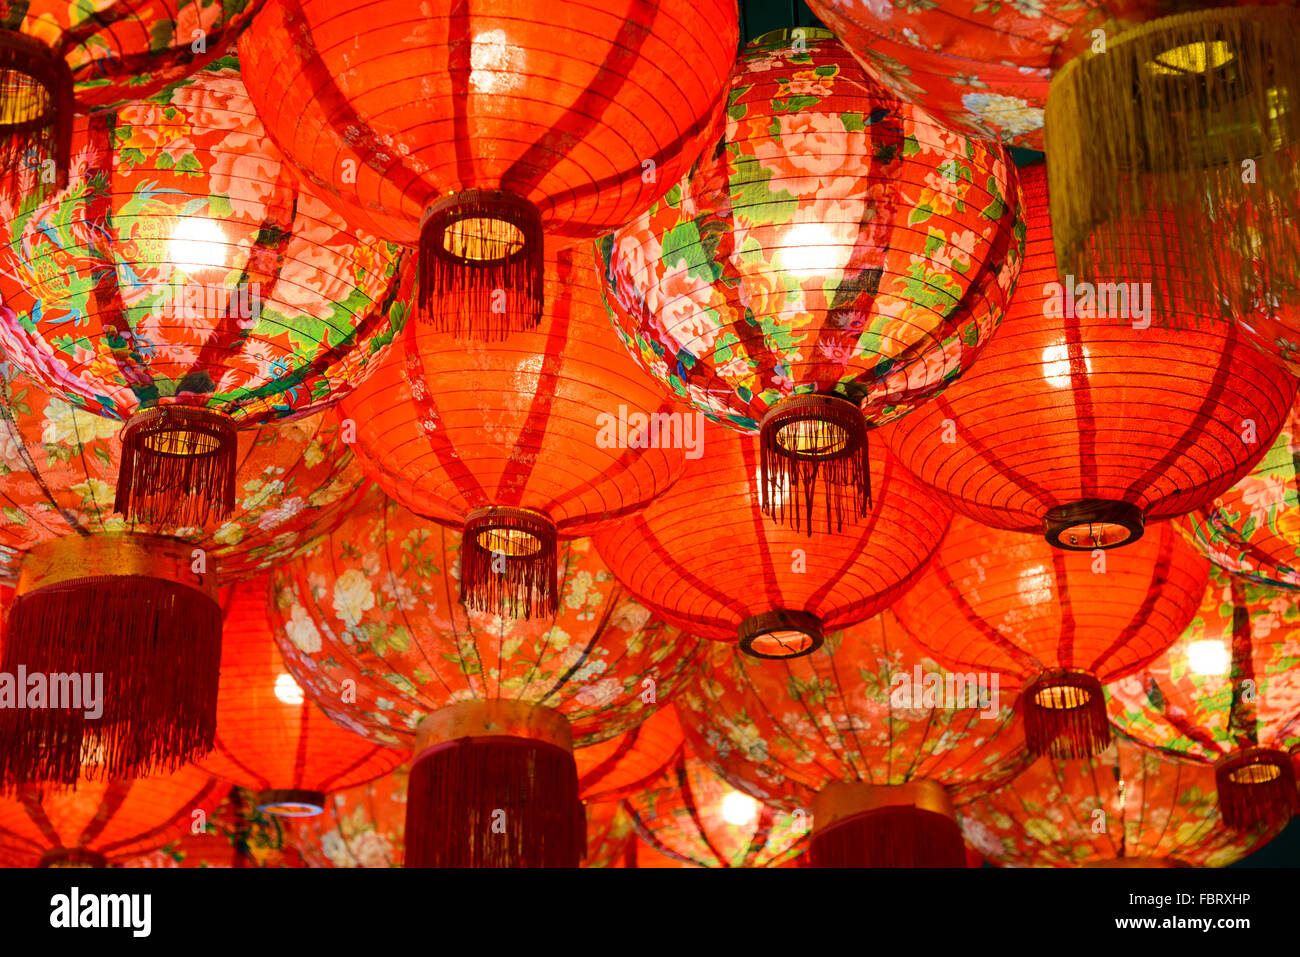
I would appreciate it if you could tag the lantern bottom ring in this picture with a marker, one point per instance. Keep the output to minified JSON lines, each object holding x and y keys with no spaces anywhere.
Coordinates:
{"x":291,"y":802}
{"x":815,"y":428}
{"x":1093,"y":523}
{"x":781,"y":634}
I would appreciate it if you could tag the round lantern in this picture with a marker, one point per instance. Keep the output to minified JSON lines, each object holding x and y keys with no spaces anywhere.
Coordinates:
{"x":867,"y":736}
{"x":186,"y":283}
{"x":1055,"y":625}
{"x":705,"y":558}
{"x":692,"y":817}
{"x":362,"y":826}
{"x":547,"y":436}
{"x":1154,"y":107}
{"x":1253,"y":529}
{"x":492,"y":706}
{"x":836,"y":249}
{"x":236,"y":835}
{"x":148,"y":594}
{"x":623,"y":765}
{"x":1125,"y":807}
{"x":100,"y":823}
{"x":60,"y":57}
{"x":1227,"y":694}
{"x":270,"y":737}
{"x":1083,"y":421}
{"x":508,"y":124}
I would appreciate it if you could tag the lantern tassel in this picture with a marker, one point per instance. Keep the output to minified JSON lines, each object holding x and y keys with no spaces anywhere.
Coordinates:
{"x":1176,"y":146}
{"x":898,"y":836}
{"x":37,"y":105}
{"x":157,"y":646}
{"x":481,"y":265}
{"x":495,"y":801}
{"x":509,"y":561}
{"x":1256,"y":786}
{"x":1065,"y":715}
{"x":178,"y":466}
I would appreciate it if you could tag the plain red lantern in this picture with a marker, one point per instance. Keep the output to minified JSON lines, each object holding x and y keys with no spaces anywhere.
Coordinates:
{"x":1083,"y":420}
{"x":475,"y":126}
{"x":270,"y":737}
{"x":613,"y":769}
{"x":705,"y":557}
{"x":546,"y":436}
{"x":1055,"y":624}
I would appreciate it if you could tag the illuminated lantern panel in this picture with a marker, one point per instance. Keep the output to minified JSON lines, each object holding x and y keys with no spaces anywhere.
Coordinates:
{"x":236,"y":835}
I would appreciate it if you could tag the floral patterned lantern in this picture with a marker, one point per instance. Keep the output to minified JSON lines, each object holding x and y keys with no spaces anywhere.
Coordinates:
{"x":147,"y":593}
{"x":1227,"y":694}
{"x":492,"y":706}
{"x":1083,"y":421}
{"x":704,"y":557}
{"x":1253,"y":529}
{"x":186,"y":283}
{"x":1126,"y":807}
{"x":101,"y":823}
{"x":511,"y":122}
{"x":544,"y":437}
{"x":868,"y":737}
{"x":270,"y":737}
{"x":1055,"y":625}
{"x":1149,"y":108}
{"x":58,"y":57}
{"x":237,"y":835}
{"x":837,"y":249}
{"x":362,"y":826}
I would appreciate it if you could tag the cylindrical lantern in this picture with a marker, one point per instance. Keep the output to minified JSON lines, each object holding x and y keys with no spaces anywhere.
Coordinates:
{"x":1253,"y":529}
{"x":1055,"y":625}
{"x":270,"y":737}
{"x":1083,"y":421}
{"x":1150,"y":110}
{"x":59,"y":58}
{"x":704,"y":557}
{"x":101,"y":823}
{"x":1125,"y":807}
{"x":1227,"y":695}
{"x":547,"y":436}
{"x":867,"y":737}
{"x":148,"y":594}
{"x":186,"y":283}
{"x":512,"y":121}
{"x":492,"y":706}
{"x":836,"y":249}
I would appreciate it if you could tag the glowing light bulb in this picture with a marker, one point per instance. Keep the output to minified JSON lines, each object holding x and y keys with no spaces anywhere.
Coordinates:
{"x":287,"y":690}
{"x":739,"y":809}
{"x":198,"y":244}
{"x":810,"y":249}
{"x":496,"y":65}
{"x":1208,"y":657}
{"x":1056,"y":365}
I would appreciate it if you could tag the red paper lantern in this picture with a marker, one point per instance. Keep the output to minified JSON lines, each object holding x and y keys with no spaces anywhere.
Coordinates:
{"x":780,"y":590}
{"x":867,"y":738}
{"x":1055,"y":624}
{"x":101,"y":823}
{"x":836,"y":249}
{"x":623,"y":765}
{"x":1226,"y":694}
{"x":270,"y":737}
{"x":548,"y":436}
{"x":185,"y":282}
{"x":59,"y":57}
{"x":1084,"y":423}
{"x":493,"y":706}
{"x":508,"y":123}
{"x":1126,"y":807}
{"x":236,"y":835}
{"x":147,"y":593}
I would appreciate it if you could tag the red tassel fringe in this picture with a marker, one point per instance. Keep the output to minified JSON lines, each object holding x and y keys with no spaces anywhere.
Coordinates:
{"x":1077,"y":728}
{"x":455,"y":789}
{"x":785,"y":476}
{"x":178,"y":467}
{"x":494,"y":580}
{"x":157,"y":645}
{"x":1246,"y":803}
{"x":37,"y":105}
{"x":901,"y":836}
{"x":486,"y":286}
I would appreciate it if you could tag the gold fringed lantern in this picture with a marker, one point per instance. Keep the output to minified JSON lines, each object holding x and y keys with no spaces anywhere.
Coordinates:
{"x":888,"y":825}
{"x":1174,"y":143}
